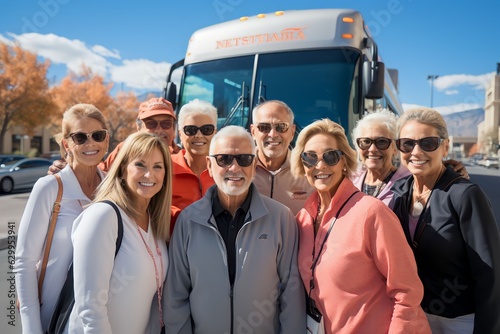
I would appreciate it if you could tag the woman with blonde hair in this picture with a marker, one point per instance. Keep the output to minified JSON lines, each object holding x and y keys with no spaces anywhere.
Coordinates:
{"x":84,"y":141}
{"x":123,"y":294}
{"x":359,"y":273}
{"x":449,"y":224}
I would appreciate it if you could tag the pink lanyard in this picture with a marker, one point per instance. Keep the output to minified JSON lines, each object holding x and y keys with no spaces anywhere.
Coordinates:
{"x":159,"y":286}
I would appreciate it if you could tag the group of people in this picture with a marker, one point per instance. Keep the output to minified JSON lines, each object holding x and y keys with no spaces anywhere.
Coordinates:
{"x":235,"y":232}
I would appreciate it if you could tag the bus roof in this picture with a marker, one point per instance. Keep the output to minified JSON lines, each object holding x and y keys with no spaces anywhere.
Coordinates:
{"x":278,"y":31}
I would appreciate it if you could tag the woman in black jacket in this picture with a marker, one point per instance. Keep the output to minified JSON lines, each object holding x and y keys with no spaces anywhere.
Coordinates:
{"x":449,"y":223}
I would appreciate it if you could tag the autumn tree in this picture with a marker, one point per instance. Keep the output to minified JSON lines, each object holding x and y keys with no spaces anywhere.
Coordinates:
{"x":87,"y":87}
{"x":25,"y":99}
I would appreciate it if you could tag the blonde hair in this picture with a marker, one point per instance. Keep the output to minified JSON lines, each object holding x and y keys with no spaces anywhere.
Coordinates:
{"x":426,"y":116}
{"x":112,"y":188}
{"x":327,"y":127}
{"x":71,"y":116}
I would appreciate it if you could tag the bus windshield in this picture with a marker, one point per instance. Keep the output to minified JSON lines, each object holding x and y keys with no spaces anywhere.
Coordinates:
{"x":314,"y":83}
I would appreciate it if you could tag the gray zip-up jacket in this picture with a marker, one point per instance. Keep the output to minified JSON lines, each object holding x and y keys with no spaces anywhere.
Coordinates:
{"x":267,"y":295}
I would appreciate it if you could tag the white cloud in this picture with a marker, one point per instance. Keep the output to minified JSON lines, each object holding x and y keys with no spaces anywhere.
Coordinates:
{"x":101,"y":50}
{"x":136,"y":74}
{"x":448,"y":81}
{"x":445,"y":110}
{"x":141,"y":74}
{"x":60,"y":50}
{"x":451,"y":92}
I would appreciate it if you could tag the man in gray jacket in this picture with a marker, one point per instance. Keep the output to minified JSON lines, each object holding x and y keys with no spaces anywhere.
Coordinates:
{"x":233,"y":254}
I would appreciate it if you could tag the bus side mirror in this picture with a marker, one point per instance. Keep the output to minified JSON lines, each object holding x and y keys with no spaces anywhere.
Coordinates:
{"x":373,"y":79}
{"x":170,"y":93}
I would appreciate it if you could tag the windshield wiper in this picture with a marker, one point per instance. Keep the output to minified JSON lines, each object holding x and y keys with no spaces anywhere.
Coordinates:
{"x":241,"y":103}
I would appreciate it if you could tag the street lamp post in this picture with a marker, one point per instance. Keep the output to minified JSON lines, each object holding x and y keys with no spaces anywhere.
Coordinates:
{"x":432,"y":78}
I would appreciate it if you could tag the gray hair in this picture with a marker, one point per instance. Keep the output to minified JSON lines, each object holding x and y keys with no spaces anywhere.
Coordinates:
{"x":379,"y":118}
{"x":233,"y":131}
{"x":282,"y":104}
{"x":426,"y":116}
{"x":197,"y":107}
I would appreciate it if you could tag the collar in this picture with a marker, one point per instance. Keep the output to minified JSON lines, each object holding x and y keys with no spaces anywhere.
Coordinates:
{"x":217,"y":208}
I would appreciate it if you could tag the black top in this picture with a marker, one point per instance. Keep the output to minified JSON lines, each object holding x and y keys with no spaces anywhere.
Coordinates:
{"x":229,"y":227}
{"x":457,"y":249}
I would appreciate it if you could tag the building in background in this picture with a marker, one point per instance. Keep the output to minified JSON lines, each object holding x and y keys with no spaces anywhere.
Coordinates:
{"x":489,"y":130}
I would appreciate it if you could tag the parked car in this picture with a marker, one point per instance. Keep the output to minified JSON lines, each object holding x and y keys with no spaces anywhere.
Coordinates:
{"x":489,"y":162}
{"x":4,"y":158}
{"x":54,"y":155}
{"x":476,"y":157}
{"x":22,"y":174}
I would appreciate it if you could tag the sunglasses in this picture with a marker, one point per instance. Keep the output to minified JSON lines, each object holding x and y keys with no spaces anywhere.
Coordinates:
{"x":267,"y":127}
{"x":206,"y":130}
{"x":331,"y":158}
{"x":226,"y":160}
{"x":427,"y":144}
{"x":381,"y":143}
{"x":152,"y":124}
{"x":80,"y":138}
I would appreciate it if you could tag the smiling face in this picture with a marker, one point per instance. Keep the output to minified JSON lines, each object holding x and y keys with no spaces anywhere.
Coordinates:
{"x":419,"y":162}
{"x":272,"y":145}
{"x":166,"y":134}
{"x":375,"y":159}
{"x":232,"y":180}
{"x":199,"y":144}
{"x":145,"y":175}
{"x":323,"y":177}
{"x":91,"y":152}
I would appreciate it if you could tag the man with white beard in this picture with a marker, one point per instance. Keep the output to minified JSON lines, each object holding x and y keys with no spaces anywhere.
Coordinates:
{"x":233,"y":253}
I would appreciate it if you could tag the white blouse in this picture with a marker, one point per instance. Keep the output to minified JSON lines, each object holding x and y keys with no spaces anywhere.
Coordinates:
{"x":114,"y":295}
{"x":35,"y":316}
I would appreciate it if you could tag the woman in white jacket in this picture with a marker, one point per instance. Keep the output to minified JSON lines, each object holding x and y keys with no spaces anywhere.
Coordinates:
{"x":84,"y":141}
{"x":122,"y":293}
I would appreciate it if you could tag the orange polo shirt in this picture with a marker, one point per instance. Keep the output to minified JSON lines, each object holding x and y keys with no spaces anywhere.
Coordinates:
{"x":186,"y":186}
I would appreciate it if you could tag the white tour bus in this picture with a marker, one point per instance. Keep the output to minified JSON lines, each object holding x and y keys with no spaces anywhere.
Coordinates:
{"x":323,"y":63}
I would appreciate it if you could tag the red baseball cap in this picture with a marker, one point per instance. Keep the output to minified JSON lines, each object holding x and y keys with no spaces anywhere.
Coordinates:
{"x":155,"y":106}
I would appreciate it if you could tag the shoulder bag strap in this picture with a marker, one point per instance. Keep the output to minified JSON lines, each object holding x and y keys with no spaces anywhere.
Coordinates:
{"x":120,"y":226}
{"x":50,"y":234}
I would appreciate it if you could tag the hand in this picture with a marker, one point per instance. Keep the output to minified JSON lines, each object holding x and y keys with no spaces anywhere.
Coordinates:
{"x":56,"y":167}
{"x":457,"y":167}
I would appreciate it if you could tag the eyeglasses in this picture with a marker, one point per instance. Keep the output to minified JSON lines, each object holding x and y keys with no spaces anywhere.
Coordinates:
{"x":381,"y":143}
{"x":267,"y":127}
{"x":427,"y":144}
{"x":80,"y":138}
{"x":225,"y":160}
{"x":331,"y":158}
{"x":206,"y":130}
{"x":152,"y":124}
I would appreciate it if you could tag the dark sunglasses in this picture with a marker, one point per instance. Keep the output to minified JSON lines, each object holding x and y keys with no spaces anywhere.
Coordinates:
{"x":152,"y":124}
{"x":206,"y":130}
{"x":427,"y":144}
{"x":267,"y":127}
{"x":225,"y":160}
{"x":331,"y":158}
{"x":80,"y":138}
{"x":381,"y":143}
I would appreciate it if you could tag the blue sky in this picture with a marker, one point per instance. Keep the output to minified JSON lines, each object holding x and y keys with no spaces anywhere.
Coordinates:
{"x":134,"y":43}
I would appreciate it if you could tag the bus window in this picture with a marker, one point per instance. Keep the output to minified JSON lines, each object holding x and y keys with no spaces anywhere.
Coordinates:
{"x":221,"y":82}
{"x":314,"y":83}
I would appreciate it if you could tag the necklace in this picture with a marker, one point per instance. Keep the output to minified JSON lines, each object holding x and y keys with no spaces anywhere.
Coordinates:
{"x":418,"y":206}
{"x":158,"y":276}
